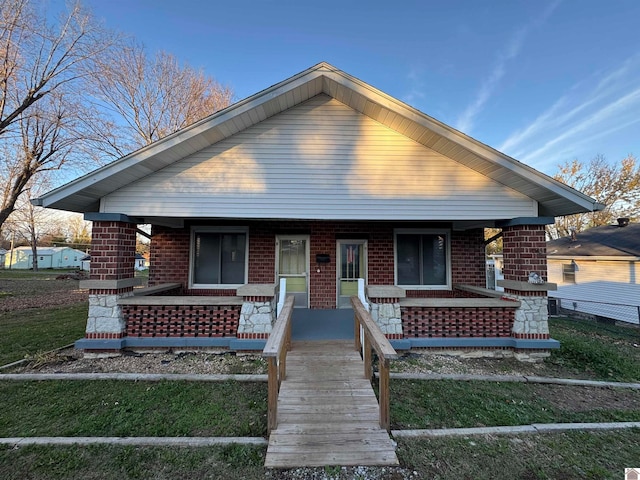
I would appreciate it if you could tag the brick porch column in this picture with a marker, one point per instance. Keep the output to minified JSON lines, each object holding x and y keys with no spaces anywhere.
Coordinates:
{"x":525,"y":252}
{"x":113,"y":248}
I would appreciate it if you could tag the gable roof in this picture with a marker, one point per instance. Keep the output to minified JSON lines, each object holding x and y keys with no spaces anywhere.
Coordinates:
{"x":553,"y":198}
{"x":604,"y":241}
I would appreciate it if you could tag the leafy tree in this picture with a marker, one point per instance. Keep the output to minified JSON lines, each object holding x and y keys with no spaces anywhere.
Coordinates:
{"x":617,"y":186}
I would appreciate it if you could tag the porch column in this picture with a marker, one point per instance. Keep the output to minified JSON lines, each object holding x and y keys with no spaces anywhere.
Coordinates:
{"x":113,"y":248}
{"x":525,"y":280}
{"x":258,"y":312}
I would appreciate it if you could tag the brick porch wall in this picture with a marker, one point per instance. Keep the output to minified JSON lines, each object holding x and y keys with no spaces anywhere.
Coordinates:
{"x":457,"y":322}
{"x":181,"y":321}
{"x":170,"y":255}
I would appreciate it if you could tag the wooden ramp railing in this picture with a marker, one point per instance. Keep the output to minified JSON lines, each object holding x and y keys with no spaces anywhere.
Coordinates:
{"x":368,"y":335}
{"x":326,"y":412}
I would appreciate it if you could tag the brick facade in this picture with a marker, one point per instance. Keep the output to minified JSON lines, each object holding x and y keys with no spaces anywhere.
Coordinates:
{"x":170,"y":255}
{"x":181,"y":321}
{"x":524,"y":251}
{"x":113,"y":250}
{"x":457,"y":322}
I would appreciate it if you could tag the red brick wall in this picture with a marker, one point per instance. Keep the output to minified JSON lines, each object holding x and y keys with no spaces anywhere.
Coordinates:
{"x":447,"y":322}
{"x":181,"y":321}
{"x":524,"y":251}
{"x":170,"y":255}
{"x":113,"y":249}
{"x":468,"y":259}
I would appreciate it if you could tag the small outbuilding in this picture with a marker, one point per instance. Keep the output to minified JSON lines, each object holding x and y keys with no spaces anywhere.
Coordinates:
{"x":48,"y":257}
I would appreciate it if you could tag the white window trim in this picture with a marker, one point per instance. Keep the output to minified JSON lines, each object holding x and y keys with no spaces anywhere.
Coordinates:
{"x":418,"y":231}
{"x":219,"y":286}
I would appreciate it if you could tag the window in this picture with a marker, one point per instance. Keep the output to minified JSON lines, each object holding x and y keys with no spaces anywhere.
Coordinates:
{"x":569,"y":272}
{"x":422,"y":258}
{"x":218,"y":257}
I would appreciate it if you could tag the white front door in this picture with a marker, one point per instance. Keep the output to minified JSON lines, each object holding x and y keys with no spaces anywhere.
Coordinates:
{"x":352,"y":265}
{"x":292,"y":263}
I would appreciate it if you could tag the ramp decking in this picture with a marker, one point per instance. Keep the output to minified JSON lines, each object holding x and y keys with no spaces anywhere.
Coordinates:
{"x":328,"y":413}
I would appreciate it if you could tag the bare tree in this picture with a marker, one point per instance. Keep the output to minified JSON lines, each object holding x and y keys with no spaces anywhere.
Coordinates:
{"x":30,"y":223}
{"x":153,"y":97}
{"x":42,"y":65}
{"x":617,"y":186}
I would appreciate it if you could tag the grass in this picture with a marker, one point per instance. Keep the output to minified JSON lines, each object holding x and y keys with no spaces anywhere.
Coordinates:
{"x":583,"y":455}
{"x":116,"y":462}
{"x":607,"y":354}
{"x":30,"y":331}
{"x":41,"y":274}
{"x":452,"y":404}
{"x":122,"y":408}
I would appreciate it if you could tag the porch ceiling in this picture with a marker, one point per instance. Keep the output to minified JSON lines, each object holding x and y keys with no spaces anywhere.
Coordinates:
{"x":554,"y":198}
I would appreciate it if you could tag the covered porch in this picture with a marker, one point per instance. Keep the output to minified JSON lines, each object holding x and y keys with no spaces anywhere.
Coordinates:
{"x":319,"y":264}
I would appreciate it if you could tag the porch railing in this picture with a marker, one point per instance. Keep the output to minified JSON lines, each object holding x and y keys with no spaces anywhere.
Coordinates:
{"x":373,"y":338}
{"x":278,"y":344}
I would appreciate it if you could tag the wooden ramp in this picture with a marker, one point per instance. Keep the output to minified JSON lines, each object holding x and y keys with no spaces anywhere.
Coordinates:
{"x":327,"y":411}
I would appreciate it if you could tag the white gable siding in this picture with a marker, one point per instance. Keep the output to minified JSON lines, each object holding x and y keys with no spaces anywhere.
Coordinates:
{"x":319,"y":160}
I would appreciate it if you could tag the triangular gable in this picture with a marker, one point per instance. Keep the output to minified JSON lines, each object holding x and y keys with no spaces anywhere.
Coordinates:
{"x":553,"y":198}
{"x":319,"y":160}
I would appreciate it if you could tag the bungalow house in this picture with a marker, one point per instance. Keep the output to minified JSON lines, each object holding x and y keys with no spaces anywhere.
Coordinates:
{"x":598,"y":271}
{"x":48,"y":257}
{"x":319,"y":180}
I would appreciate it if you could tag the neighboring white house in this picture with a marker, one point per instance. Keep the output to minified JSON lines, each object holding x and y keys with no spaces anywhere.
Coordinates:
{"x":598,"y":271}
{"x":48,"y":257}
{"x":2,"y":253}
{"x":141,"y":262}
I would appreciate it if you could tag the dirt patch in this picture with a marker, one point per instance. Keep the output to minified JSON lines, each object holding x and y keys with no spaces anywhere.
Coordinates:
{"x":426,"y":362}
{"x":583,"y":399}
{"x":73,"y":361}
{"x":20,"y":294}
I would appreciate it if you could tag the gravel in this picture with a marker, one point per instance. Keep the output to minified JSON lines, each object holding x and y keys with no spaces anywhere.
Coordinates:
{"x":225,"y":362}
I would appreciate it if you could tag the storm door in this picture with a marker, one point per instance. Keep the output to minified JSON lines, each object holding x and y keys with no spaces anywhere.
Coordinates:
{"x":352,"y":264}
{"x":292,"y":263}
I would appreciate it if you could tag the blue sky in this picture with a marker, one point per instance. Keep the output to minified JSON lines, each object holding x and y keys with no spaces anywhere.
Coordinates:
{"x":544,"y":81}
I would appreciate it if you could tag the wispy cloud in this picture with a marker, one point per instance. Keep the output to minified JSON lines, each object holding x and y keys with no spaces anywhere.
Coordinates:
{"x":590,"y":110}
{"x":489,"y":85}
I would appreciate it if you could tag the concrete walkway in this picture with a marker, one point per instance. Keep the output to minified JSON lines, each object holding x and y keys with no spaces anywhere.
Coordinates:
{"x":514,"y":378}
{"x":535,"y":428}
{"x":153,"y":377}
{"x":136,"y":441}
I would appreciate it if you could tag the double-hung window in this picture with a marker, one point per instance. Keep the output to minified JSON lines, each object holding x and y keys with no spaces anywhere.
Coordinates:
{"x":218,"y":257}
{"x":422,"y":258}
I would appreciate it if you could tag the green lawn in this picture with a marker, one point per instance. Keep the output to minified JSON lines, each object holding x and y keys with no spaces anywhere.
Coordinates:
{"x":123,"y":408}
{"x":569,"y":455}
{"x":103,"y":462}
{"x":606,"y":352}
{"x":29,"y":331}
{"x":453,"y":404}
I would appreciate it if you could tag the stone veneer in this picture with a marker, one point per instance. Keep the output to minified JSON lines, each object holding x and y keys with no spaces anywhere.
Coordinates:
{"x":384,"y":302}
{"x":259,"y":310}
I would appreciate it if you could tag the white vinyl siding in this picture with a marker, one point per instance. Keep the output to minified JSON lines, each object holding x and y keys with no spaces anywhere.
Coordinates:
{"x":589,"y":270}
{"x":319,"y":160}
